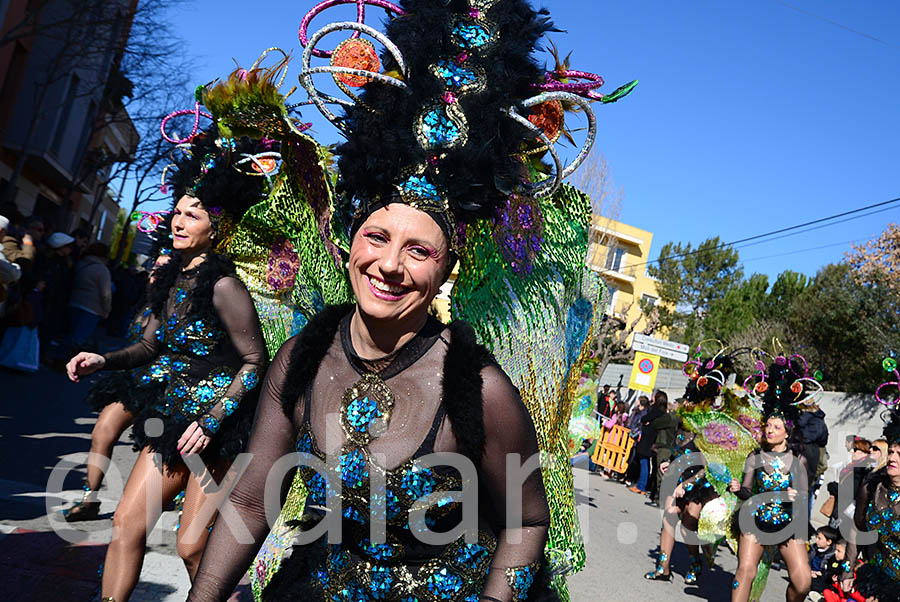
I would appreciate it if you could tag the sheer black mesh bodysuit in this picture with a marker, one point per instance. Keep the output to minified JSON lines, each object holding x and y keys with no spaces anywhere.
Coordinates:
{"x":208,"y":362}
{"x":374,"y":420}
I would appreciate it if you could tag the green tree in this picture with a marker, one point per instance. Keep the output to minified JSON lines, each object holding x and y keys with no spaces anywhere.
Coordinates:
{"x":787,"y":287}
{"x":690,"y":280}
{"x":848,"y":326}
{"x":738,"y":309}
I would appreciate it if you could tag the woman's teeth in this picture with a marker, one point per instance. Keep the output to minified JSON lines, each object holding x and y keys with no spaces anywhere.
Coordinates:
{"x":387,"y":288}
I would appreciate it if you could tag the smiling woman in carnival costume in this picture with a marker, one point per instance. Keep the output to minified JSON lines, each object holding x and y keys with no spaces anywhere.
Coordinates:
{"x":203,"y":345}
{"x":780,"y":467}
{"x":432,"y":171}
{"x":878,"y":509}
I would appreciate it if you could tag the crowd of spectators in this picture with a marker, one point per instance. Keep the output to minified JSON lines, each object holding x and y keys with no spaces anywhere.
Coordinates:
{"x":56,"y":288}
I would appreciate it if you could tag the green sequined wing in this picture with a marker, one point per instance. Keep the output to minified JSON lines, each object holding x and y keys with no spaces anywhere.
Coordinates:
{"x":538,"y":326}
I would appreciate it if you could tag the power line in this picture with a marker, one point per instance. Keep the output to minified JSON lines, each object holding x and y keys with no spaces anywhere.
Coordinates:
{"x":778,"y":231}
{"x":797,"y":251}
{"x":836,"y":24}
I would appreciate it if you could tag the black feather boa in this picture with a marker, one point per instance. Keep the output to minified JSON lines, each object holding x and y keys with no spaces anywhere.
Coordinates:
{"x":478,"y":176}
{"x":210,"y":271}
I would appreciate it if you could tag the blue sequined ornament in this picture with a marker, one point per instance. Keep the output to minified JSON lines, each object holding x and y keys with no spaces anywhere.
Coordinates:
{"x":229,"y":405}
{"x":418,"y":482}
{"x":249,"y":379}
{"x":354,"y":469}
{"x":361,"y":413}
{"x":209,"y":423}
{"x":470,"y":36}
{"x":444,"y":584}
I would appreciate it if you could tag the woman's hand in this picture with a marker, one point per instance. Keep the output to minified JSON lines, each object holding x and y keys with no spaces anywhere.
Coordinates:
{"x":734,"y":486}
{"x":679,"y":491}
{"x":193,"y":440}
{"x":791,"y":494}
{"x":663,"y":466}
{"x":83,"y":364}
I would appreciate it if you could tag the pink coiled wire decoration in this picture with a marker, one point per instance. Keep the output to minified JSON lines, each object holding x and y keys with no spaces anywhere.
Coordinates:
{"x":196,"y":112}
{"x":148,"y":221}
{"x":585,"y":88}
{"x":890,"y":365}
{"x":360,"y":18}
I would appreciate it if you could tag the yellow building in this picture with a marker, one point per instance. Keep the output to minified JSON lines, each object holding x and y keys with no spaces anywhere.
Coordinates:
{"x":620,"y":254}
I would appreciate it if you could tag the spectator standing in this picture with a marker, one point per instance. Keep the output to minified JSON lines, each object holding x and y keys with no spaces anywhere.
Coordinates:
{"x":856,"y":472}
{"x":10,"y":271}
{"x":878,"y":454}
{"x":645,"y":445}
{"x":56,"y":272}
{"x":665,"y":426}
{"x":634,"y":431}
{"x":814,"y":431}
{"x":603,"y":401}
{"x":91,"y":298}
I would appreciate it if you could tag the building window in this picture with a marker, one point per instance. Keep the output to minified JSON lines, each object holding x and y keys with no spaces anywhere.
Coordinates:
{"x":649,"y":300}
{"x":615,"y":259}
{"x":613,"y":293}
{"x":64,"y":114}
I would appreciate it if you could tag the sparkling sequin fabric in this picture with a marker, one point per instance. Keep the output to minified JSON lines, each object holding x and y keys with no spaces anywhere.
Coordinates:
{"x":206,"y":365}
{"x":373,"y":424}
{"x":883,"y":515}
{"x":538,"y":327}
{"x":774,"y":476}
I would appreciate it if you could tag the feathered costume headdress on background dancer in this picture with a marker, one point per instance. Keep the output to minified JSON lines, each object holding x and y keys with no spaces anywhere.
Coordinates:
{"x":888,"y":394}
{"x":452,"y":126}
{"x":281,"y":243}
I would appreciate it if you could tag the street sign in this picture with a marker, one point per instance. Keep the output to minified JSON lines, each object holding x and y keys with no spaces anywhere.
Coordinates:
{"x":643,"y":372}
{"x":654,"y":346}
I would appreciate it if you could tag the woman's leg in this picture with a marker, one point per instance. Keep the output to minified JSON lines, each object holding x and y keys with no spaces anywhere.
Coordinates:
{"x":196,"y":518}
{"x":690,"y":521}
{"x":111,"y":423}
{"x":148,"y":490}
{"x":666,"y":542}
{"x":796,"y":559}
{"x":749,"y":554}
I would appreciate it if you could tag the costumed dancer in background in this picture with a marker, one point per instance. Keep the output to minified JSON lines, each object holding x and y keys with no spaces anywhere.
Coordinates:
{"x":427,"y":153}
{"x":780,"y":468}
{"x":699,"y":412}
{"x":284,"y":248}
{"x":878,"y":509}
{"x":203,"y":341}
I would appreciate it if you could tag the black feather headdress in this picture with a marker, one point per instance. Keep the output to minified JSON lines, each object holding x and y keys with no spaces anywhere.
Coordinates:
{"x":446,"y":126}
{"x":208,"y":169}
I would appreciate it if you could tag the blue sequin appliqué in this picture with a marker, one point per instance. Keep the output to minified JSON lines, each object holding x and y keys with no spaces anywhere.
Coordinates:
{"x":353,"y":469}
{"x":361,"y":413}
{"x":418,"y":482}
{"x":453,"y":75}
{"x":470,"y":36}
{"x":439,"y":129}
{"x":249,"y":379}
{"x":444,"y":584}
{"x":421,"y":187}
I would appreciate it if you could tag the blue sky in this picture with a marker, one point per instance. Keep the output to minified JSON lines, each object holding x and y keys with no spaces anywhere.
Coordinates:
{"x":749,"y":116}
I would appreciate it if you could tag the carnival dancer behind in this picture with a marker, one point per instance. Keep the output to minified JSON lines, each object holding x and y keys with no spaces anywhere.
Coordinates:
{"x":203,"y":341}
{"x":878,"y":509}
{"x":779,"y":467}
{"x":427,"y":157}
{"x":112,"y":396}
{"x":705,"y":385}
